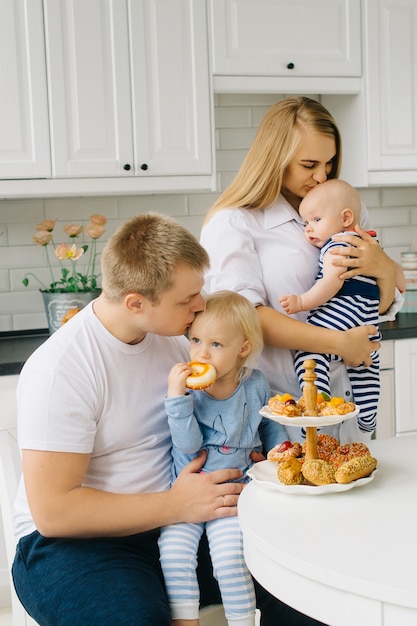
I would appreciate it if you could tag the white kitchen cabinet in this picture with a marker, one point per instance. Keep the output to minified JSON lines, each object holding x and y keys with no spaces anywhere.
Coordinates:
{"x":170,"y":87}
{"x":130,"y":108}
{"x":309,"y":46}
{"x":386,"y":405}
{"x":24,"y":133}
{"x":89,"y":87}
{"x":405,"y":385}
{"x":391,"y":87}
{"x":129,"y":88}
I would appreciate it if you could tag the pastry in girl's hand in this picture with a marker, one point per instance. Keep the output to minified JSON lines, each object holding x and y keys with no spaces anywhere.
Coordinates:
{"x":203,"y":375}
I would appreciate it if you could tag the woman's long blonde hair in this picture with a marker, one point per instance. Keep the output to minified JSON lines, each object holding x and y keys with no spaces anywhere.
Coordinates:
{"x":259,"y":180}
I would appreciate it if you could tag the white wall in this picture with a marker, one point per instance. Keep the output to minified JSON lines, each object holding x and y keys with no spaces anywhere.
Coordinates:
{"x":393,"y":211}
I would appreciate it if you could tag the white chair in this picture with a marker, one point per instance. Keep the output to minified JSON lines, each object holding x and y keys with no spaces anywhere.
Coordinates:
{"x":10,"y":469}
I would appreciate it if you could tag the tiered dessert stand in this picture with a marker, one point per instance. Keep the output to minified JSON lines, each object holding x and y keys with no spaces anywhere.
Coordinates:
{"x":264,"y":473}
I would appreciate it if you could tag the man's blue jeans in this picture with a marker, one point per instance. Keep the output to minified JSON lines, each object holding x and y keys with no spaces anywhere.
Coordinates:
{"x":94,"y":582}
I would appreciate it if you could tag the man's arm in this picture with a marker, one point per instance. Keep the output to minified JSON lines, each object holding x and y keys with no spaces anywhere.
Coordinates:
{"x":62,"y":507}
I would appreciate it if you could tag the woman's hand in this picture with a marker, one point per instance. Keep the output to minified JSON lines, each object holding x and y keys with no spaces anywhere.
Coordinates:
{"x":366,"y":257}
{"x":356,"y":347}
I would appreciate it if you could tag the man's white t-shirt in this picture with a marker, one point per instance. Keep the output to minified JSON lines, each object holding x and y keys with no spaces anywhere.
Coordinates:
{"x":85,"y":391}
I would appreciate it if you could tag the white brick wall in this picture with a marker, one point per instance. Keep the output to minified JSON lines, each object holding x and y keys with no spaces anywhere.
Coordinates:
{"x":393,"y":212}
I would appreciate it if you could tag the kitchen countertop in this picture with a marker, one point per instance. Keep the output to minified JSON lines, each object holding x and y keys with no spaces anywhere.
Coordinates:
{"x":403,"y":327}
{"x":17,"y":346}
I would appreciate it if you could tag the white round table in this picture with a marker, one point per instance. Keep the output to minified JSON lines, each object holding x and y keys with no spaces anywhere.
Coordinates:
{"x":348,"y":558}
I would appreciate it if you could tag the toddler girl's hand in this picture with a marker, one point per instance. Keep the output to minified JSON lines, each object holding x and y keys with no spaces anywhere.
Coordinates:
{"x":291,"y":304}
{"x":176,"y":380}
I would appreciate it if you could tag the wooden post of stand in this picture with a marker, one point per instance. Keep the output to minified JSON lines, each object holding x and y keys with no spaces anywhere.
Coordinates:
{"x":310,"y":397}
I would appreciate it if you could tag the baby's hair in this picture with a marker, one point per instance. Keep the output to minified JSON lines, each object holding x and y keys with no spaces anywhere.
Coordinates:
{"x":242,"y":314}
{"x":340,"y":193}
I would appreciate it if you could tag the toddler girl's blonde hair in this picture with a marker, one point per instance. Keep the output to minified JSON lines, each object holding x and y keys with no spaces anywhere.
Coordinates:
{"x":242,"y":314}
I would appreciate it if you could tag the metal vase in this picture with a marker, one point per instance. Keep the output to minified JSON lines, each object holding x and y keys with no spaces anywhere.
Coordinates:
{"x":58,"y":304}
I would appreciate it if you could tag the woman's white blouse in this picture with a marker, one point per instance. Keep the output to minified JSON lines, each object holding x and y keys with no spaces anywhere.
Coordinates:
{"x":264,"y":255}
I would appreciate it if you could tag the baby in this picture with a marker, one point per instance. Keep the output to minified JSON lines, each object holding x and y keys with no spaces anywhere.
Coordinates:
{"x":329,"y":209}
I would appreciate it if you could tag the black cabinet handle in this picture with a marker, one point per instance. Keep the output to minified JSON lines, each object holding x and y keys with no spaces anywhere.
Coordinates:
{"x":290,"y":66}
{"x":126,"y":167}
{"x":144,"y":167}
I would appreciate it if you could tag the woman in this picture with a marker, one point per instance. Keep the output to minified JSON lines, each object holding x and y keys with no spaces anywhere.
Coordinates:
{"x":262,"y":252}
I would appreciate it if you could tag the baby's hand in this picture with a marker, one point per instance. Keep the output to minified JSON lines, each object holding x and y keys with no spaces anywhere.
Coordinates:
{"x":291,"y":304}
{"x":176,"y":380}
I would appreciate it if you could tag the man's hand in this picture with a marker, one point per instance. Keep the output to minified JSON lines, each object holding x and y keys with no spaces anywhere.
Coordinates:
{"x":200,"y":497}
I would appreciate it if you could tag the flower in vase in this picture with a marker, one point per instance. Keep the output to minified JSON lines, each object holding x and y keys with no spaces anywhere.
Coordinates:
{"x":73,"y":230}
{"x":69,"y":279}
{"x":64,"y":252}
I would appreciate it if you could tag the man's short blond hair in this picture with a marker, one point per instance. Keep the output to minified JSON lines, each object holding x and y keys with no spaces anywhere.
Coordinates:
{"x":143,"y":254}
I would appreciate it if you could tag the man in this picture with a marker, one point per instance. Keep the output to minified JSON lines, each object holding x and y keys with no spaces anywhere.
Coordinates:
{"x":95,"y":439}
